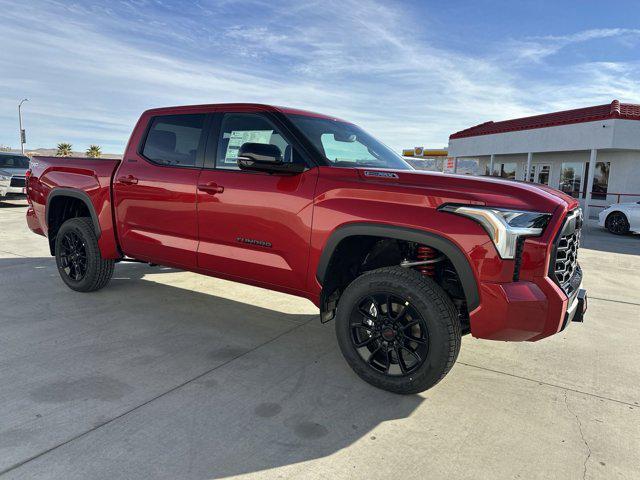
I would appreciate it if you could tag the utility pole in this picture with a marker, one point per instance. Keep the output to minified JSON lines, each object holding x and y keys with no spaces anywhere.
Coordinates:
{"x":23,"y":137}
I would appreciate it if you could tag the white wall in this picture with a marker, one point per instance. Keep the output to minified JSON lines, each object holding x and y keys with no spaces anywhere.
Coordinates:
{"x":624,"y":176}
{"x":613,"y":133}
{"x":626,"y":134}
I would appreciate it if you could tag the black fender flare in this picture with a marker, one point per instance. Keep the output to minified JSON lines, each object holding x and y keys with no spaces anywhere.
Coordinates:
{"x":78,"y":194}
{"x":447,"y":247}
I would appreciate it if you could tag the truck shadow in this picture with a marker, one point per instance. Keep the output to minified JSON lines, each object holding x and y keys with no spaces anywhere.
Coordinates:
{"x":214,"y":386}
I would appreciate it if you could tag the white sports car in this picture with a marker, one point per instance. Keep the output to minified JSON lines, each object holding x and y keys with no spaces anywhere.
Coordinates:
{"x":621,"y":218}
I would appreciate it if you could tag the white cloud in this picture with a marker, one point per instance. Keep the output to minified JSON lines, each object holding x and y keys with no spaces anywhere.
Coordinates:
{"x":537,"y":49}
{"x":90,"y":71}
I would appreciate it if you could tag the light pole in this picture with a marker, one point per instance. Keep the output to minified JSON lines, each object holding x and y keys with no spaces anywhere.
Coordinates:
{"x":23,"y":137}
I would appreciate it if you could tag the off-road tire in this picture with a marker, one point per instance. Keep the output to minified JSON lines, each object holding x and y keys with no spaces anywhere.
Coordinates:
{"x":431,"y":302}
{"x":98,"y":270}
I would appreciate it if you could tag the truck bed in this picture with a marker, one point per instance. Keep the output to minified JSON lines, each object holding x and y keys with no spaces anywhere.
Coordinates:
{"x":88,"y":179}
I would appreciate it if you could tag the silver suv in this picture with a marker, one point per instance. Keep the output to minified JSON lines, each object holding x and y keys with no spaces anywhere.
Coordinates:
{"x":13,"y":169}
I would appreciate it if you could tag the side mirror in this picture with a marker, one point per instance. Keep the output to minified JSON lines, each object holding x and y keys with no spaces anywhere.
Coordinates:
{"x":264,"y":157}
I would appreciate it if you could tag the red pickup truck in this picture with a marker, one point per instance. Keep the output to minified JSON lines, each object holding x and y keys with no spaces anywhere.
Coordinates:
{"x":405,"y":261}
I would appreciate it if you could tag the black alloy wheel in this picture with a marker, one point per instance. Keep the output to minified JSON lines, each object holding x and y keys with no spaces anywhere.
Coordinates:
{"x":78,"y":257}
{"x":73,"y":256}
{"x":617,"y":223}
{"x":389,"y":334}
{"x":397,"y":329}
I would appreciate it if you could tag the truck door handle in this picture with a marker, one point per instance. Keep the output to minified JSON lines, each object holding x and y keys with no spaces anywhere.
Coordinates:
{"x":128,"y":180}
{"x":211,"y":188}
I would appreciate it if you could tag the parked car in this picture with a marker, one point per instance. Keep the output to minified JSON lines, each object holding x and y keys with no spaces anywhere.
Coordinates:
{"x":13,"y":168}
{"x":621,"y":218}
{"x":405,"y":261}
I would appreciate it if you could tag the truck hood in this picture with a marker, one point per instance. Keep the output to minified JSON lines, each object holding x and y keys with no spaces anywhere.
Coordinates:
{"x":491,"y":191}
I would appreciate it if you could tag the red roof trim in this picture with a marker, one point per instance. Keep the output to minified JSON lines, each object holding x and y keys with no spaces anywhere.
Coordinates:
{"x":615,"y":109}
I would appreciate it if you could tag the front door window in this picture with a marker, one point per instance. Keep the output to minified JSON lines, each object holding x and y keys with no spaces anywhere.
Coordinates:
{"x":240,"y":128}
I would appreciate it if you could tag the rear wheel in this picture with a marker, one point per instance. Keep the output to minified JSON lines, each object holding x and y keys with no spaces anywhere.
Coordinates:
{"x":78,"y":258}
{"x":398,"y":330}
{"x":617,"y":223}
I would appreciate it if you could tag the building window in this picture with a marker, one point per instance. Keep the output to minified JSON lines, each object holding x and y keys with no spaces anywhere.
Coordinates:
{"x":508,"y":170}
{"x":600,"y":180}
{"x":571,"y":178}
{"x":539,"y":173}
{"x":543,"y":174}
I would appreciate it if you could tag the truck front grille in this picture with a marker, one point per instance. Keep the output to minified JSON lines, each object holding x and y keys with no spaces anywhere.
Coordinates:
{"x":565,"y":263}
{"x":17,"y":182}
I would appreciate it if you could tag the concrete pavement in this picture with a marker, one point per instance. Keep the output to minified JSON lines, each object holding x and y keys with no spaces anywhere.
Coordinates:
{"x":169,"y":374}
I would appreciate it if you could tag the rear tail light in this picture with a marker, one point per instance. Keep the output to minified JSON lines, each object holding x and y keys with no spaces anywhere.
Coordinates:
{"x":27,"y":175}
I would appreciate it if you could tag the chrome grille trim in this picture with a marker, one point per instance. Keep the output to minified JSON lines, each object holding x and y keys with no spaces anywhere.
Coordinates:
{"x":565,"y":262}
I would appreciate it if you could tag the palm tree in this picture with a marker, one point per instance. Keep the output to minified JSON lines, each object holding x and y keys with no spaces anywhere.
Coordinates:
{"x":64,"y":150}
{"x":94,"y":151}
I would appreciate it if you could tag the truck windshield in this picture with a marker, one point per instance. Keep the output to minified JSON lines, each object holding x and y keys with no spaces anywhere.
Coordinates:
{"x":14,"y":161}
{"x":346,"y":145}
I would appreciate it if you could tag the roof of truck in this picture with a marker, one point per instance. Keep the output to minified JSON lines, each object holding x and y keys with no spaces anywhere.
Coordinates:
{"x":257,"y":107}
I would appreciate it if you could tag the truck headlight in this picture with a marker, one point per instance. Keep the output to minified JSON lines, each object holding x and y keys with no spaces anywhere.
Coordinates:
{"x":504,"y":226}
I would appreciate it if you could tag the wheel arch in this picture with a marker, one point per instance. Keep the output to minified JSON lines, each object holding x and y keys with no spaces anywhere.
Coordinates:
{"x":446,"y":246}
{"x":56,"y":214}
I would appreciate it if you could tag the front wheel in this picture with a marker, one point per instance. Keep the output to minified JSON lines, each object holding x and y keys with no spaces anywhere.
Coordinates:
{"x":78,"y":258}
{"x":398,"y":330}
{"x":617,"y":223}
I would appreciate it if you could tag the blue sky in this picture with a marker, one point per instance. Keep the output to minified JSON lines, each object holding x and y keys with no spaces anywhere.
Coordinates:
{"x":409,"y":72}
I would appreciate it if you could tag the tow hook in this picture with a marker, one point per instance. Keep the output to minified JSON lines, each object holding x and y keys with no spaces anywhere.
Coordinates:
{"x":582,"y":306}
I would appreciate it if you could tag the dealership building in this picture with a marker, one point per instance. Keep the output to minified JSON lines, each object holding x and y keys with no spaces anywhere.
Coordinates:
{"x":591,"y":153}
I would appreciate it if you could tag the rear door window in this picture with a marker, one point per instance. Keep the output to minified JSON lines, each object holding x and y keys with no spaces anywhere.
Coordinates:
{"x":174,"y":139}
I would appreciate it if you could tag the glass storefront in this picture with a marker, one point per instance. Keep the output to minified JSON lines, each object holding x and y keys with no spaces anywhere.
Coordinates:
{"x":571,"y":178}
{"x":539,"y":173}
{"x":572,"y":174}
{"x":600,"y":180}
{"x":508,"y":170}
{"x":504,"y":170}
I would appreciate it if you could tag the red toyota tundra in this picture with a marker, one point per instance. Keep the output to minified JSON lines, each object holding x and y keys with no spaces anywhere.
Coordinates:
{"x":405,"y":261}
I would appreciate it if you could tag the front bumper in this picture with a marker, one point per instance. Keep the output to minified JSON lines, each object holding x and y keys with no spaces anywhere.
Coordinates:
{"x":7,"y":189}
{"x":602,"y":217}
{"x":525,"y":311}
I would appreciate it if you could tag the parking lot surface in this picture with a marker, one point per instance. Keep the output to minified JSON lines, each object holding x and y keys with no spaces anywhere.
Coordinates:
{"x":171,"y":375}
